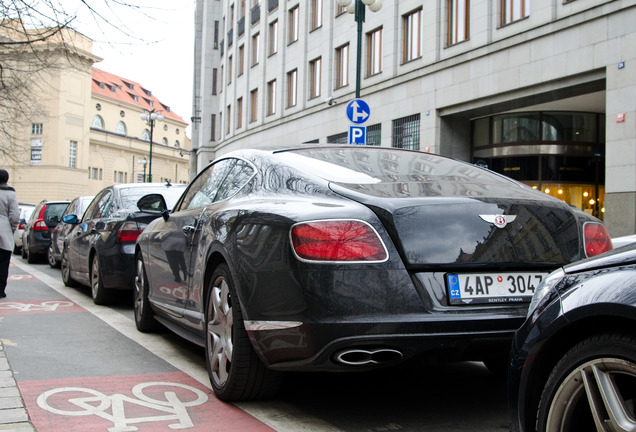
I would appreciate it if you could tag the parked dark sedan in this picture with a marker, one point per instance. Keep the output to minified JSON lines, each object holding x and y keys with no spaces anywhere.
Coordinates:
{"x":76,"y":207}
{"x":349,"y":258}
{"x":573,"y":362}
{"x":99,"y":250}
{"x":36,"y":237}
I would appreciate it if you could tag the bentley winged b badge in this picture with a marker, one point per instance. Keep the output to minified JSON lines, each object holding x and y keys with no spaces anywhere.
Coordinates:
{"x":499,"y":221}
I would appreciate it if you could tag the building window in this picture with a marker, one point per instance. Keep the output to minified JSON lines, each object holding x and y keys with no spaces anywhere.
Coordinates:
{"x":256,"y":40}
{"x":229,"y":70}
{"x":374,"y":135}
{"x":294,"y":29}
{"x":213,"y":127}
{"x":374,"y":52}
{"x":36,"y":128}
{"x":229,"y":119}
{"x":273,"y":38}
{"x":254,"y":105}
{"x":177,"y":144}
{"x":145,"y":135}
{"x":342,"y":66}
{"x":120,"y":177}
{"x":271,"y":97}
{"x":406,"y":132}
{"x":241,"y":59}
{"x":121,"y":128}
{"x":412,"y":35}
{"x":316,"y":14}
{"x":458,"y":14}
{"x":216,"y":35}
{"x":36,"y":151}
{"x":341,"y":138}
{"x":340,"y":10}
{"x":239,"y":113}
{"x":164,"y":141}
{"x":314,"y":77}
{"x":214,"y":77}
{"x":98,"y":122}
{"x":513,"y":10}
{"x":72,"y":154}
{"x":95,"y":173}
{"x":292,"y":88}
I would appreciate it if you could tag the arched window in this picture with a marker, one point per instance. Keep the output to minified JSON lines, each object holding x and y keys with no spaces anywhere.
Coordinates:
{"x":145,"y":135}
{"x":177,"y":143}
{"x":98,"y":122}
{"x":164,"y":141}
{"x":121,"y":128}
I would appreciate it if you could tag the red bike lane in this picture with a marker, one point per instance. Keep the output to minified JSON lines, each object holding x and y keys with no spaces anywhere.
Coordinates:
{"x":75,"y":373}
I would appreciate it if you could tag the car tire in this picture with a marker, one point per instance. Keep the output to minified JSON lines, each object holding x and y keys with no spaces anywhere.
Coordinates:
{"x":235,"y":371}
{"x":144,"y":316}
{"x":65,"y":269}
{"x":24,"y":249}
{"x":51,"y":257}
{"x":31,"y":258}
{"x":101,"y":295}
{"x":600,"y":368}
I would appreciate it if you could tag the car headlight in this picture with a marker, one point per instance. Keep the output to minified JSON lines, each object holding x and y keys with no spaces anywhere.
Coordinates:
{"x":544,"y":288}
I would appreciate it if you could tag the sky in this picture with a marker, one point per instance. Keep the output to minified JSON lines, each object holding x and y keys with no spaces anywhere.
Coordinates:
{"x":152,"y":44}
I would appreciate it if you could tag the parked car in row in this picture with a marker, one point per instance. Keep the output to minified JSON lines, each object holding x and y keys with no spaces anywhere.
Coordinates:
{"x":36,"y":237}
{"x":573,"y":362}
{"x":350,"y":258}
{"x":77,"y":207}
{"x":98,"y":250}
{"x":25,"y":214}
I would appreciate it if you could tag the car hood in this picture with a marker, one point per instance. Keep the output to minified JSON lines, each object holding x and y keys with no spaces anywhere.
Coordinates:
{"x":451,"y":222}
{"x":617,"y":257}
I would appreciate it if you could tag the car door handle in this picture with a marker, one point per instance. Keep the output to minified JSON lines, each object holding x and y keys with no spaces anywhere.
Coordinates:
{"x":188,"y":229}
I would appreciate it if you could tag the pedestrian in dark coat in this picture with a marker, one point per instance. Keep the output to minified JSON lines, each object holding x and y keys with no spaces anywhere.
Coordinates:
{"x":9,"y":219}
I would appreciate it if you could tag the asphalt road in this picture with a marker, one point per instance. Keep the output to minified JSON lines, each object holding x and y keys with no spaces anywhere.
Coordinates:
{"x":85,"y":367}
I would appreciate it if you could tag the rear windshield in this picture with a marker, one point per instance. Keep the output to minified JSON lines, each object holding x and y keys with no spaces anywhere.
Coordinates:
{"x":53,"y":213}
{"x":130,"y":196}
{"x":369,"y":165}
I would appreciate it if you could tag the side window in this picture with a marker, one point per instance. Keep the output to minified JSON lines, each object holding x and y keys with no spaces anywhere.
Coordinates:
{"x":240,"y":174}
{"x":99,"y":206}
{"x":204,"y":189}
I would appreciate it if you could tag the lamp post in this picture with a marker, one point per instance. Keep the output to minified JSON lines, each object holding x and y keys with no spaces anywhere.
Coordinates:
{"x":144,"y":162}
{"x":150,"y":117}
{"x":357,"y":7}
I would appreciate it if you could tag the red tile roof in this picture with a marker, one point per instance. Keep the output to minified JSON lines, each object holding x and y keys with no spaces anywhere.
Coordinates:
{"x":130,"y":92}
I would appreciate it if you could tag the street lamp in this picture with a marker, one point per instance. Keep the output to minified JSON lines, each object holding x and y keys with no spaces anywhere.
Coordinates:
{"x":150,"y":117}
{"x":144,"y":162}
{"x":357,"y":7}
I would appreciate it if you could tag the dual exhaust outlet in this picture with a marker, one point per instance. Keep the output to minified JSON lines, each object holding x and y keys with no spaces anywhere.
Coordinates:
{"x":368,"y":356}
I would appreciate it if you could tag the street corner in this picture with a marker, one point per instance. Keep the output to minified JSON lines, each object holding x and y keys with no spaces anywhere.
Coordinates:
{"x":146,"y":403}
{"x":11,"y":307}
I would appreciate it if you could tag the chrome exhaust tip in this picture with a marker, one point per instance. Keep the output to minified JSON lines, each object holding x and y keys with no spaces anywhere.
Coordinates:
{"x":368,"y":356}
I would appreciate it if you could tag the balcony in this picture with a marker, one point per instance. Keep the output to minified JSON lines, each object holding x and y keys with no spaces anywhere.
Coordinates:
{"x":241,"y":27}
{"x":271,"y":5}
{"x":255,"y":14}
{"x":230,"y":38}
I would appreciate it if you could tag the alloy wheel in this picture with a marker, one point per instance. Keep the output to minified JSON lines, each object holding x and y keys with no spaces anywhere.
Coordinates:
{"x":95,"y":281}
{"x":219,"y":331}
{"x":602,"y":390}
{"x":139,"y":289}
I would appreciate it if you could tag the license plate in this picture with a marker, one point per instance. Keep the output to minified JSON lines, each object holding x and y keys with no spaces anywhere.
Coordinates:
{"x":492,"y":288}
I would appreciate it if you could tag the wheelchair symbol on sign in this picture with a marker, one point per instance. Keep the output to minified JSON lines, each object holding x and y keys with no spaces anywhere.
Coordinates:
{"x":48,"y":306}
{"x":99,"y":404}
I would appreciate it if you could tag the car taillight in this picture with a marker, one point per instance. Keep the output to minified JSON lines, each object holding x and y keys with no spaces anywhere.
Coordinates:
{"x":337,"y":240}
{"x":21,"y":226}
{"x":128,"y":232}
{"x":597,"y":239}
{"x":40,"y":225}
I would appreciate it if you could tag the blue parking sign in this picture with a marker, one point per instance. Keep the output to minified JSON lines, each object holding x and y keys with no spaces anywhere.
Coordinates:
{"x":358,"y":135}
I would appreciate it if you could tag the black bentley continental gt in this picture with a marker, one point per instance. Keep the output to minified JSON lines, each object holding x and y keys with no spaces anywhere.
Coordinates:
{"x":349,"y":258}
{"x":573,"y":362}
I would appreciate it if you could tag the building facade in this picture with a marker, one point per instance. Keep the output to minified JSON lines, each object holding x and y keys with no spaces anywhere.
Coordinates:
{"x":540,"y":90}
{"x":87,"y":132}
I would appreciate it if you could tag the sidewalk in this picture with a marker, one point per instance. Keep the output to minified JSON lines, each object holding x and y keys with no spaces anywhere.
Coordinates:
{"x":13,"y":414}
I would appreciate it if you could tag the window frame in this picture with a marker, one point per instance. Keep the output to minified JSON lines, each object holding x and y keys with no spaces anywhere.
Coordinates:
{"x":411,"y":36}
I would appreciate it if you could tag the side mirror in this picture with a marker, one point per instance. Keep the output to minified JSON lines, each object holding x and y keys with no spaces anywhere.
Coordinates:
{"x":152,"y":203}
{"x":70,"y":219}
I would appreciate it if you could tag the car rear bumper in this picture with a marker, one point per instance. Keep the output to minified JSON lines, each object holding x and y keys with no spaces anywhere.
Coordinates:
{"x":363,"y":346}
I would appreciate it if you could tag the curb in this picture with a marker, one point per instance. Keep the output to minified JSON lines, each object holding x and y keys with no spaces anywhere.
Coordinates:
{"x":13,"y":414}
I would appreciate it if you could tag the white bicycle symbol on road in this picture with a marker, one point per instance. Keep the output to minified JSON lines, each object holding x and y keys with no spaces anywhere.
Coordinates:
{"x":97,"y":403}
{"x":51,"y":305}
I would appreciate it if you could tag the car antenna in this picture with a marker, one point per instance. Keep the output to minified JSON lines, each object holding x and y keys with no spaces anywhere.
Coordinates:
{"x":168,"y":184}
